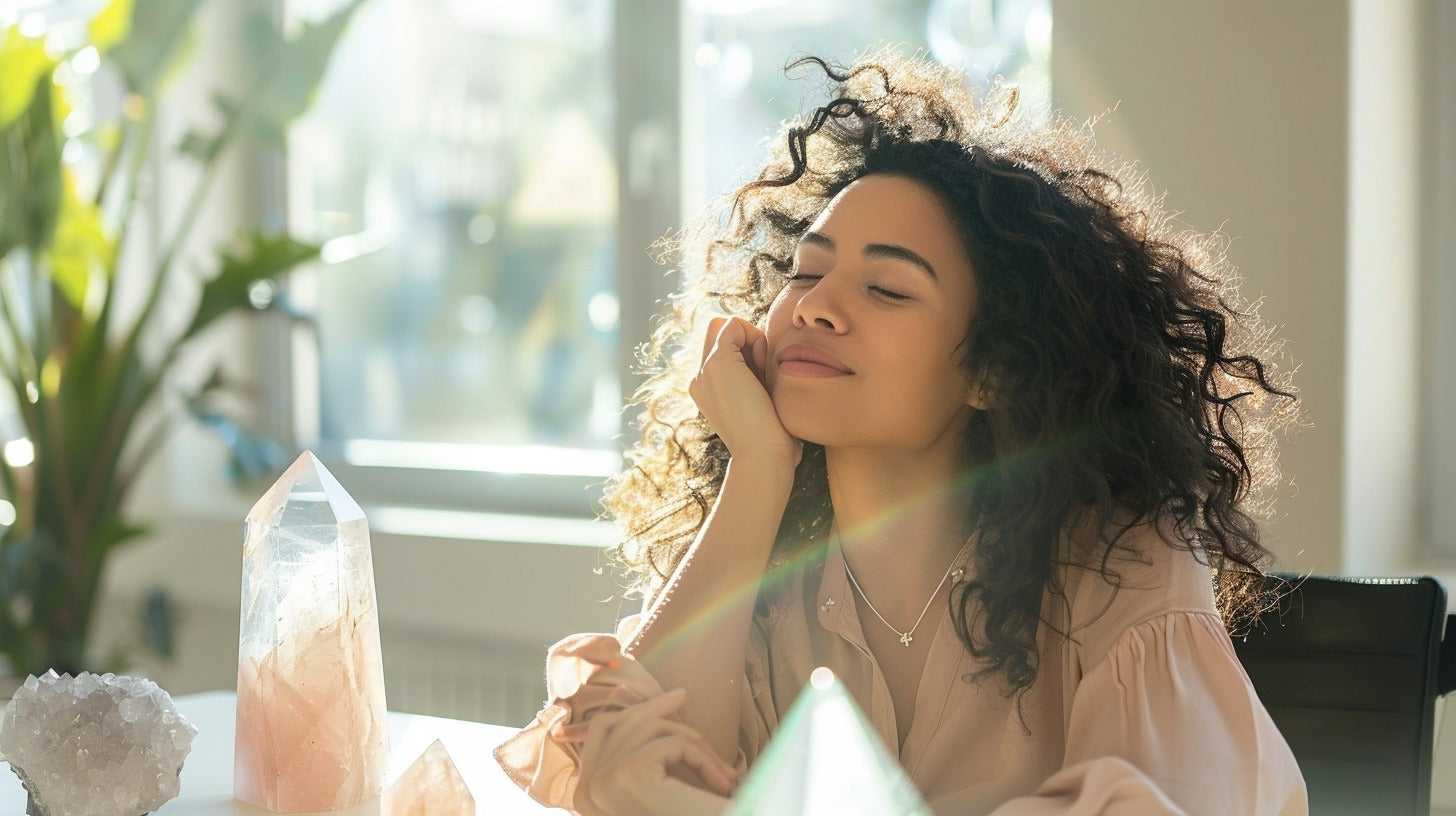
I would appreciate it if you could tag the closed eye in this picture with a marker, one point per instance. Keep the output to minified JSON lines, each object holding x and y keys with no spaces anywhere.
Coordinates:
{"x":799,"y":276}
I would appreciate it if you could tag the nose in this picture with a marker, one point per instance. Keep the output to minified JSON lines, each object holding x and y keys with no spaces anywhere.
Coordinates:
{"x":821,"y":305}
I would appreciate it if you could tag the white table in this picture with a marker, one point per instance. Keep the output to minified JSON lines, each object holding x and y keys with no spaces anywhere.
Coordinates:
{"x":207,"y":776}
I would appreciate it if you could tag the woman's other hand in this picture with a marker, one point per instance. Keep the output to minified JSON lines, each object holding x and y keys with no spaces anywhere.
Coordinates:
{"x":731,"y":392}
{"x":628,"y":758}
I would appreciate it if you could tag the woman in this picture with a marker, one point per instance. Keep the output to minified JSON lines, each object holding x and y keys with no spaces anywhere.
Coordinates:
{"x":958,"y":366}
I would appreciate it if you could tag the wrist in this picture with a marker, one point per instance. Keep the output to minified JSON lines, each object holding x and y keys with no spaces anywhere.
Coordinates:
{"x":767,"y":472}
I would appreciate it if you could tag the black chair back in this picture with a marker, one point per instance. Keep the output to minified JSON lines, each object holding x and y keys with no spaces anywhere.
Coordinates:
{"x":1350,"y":669}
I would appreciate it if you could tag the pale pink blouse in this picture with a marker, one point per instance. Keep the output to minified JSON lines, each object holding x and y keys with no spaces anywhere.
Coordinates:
{"x":1146,"y":710}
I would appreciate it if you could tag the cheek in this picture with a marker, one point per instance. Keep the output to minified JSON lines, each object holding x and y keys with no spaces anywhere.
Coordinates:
{"x":779,"y":310}
{"x":779,"y":320}
{"x":776,"y":324}
{"x":933,"y":383}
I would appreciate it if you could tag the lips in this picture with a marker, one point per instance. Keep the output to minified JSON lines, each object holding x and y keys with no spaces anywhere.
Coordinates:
{"x":809,"y":354}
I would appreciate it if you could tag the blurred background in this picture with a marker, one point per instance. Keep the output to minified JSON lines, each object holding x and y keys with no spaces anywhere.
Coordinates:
{"x":475,"y":187}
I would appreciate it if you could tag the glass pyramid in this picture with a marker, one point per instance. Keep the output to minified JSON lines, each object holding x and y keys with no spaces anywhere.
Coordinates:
{"x":431,"y":786}
{"x":826,"y":759}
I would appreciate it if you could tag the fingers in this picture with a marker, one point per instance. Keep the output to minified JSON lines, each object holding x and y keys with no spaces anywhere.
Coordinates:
{"x":592,"y":736}
{"x":758,"y":356}
{"x":624,"y":696}
{"x":625,"y":753}
{"x":733,"y":333}
{"x":670,"y":749}
{"x":629,"y":738}
{"x":731,"y":391}
{"x":710,"y":337}
{"x":625,"y":785}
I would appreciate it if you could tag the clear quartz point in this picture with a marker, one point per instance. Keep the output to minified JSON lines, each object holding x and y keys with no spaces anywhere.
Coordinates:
{"x":825,"y":758}
{"x":311,"y":731}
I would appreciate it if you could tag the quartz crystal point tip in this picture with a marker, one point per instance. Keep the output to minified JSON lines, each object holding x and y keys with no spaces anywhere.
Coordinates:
{"x":431,"y":786}
{"x":824,"y":759}
{"x":306,"y":494}
{"x":100,"y":745}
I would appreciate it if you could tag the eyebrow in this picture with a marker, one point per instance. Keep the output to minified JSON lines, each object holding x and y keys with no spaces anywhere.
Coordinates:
{"x":891,"y":251}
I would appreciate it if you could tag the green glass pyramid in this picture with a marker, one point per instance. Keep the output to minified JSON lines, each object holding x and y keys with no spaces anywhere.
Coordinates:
{"x":826,"y":759}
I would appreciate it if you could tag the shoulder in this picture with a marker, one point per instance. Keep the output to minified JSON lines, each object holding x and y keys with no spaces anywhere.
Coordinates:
{"x":1149,"y":572}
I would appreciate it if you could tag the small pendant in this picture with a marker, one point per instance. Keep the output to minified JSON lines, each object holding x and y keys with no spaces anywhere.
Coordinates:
{"x":905,"y":639}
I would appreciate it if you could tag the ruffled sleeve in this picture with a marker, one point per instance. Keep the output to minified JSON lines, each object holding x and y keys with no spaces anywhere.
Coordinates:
{"x":1168,"y":723}
{"x":586,"y":674}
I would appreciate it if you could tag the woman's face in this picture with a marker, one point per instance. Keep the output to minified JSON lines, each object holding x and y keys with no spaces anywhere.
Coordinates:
{"x":881,"y":283}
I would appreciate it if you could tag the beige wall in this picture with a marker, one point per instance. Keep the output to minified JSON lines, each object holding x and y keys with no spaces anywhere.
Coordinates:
{"x":1297,"y":129}
{"x":1238,"y":111}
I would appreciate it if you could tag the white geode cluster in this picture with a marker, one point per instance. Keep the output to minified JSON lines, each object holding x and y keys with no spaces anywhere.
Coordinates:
{"x":100,"y":745}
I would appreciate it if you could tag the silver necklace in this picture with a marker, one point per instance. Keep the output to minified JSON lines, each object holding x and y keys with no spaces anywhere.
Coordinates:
{"x":905,"y":636}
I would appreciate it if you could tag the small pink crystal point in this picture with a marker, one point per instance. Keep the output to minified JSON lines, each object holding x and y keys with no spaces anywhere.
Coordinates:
{"x":311,"y":732}
{"x":431,"y":786}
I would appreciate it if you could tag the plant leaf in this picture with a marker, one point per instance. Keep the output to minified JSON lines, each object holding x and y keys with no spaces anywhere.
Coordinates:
{"x":23,"y":61}
{"x":252,"y":457}
{"x":30,"y":174}
{"x":22,"y":558}
{"x":292,"y":70}
{"x":200,"y":147}
{"x":262,"y":257}
{"x":101,"y":397}
{"x":111,"y":25}
{"x":159,"y":622}
{"x":304,"y":60}
{"x":111,"y":533}
{"x":159,"y":28}
{"x":79,"y":250}
{"x":203,"y":147}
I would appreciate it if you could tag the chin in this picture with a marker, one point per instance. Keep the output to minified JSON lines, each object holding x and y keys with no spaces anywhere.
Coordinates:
{"x":817,"y":427}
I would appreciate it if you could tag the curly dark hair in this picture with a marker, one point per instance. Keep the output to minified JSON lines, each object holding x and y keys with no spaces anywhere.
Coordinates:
{"x":1128,"y":386}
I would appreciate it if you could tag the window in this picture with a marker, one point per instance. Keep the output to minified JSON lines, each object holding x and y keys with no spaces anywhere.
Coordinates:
{"x":736,"y":51}
{"x":488,"y":178}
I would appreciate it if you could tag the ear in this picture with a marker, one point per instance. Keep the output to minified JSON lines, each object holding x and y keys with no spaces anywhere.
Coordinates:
{"x":979,"y":393}
{"x":979,"y":399}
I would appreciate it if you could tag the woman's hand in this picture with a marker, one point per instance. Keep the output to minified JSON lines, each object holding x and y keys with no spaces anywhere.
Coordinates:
{"x":626,"y":756}
{"x":731,"y":392}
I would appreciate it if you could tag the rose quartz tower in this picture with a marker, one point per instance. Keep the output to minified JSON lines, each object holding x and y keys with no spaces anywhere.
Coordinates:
{"x":311,"y":732}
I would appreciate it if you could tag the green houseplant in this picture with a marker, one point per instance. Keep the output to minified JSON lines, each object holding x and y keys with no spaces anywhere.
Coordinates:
{"x":81,"y":371}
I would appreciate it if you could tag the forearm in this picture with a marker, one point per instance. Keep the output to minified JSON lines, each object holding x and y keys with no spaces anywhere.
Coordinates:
{"x":695,"y":635}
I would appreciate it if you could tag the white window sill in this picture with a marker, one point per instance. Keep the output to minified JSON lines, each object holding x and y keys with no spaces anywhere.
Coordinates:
{"x":193,"y":487}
